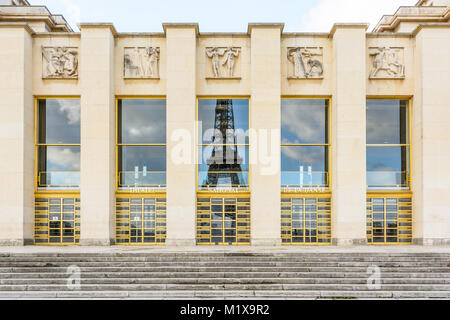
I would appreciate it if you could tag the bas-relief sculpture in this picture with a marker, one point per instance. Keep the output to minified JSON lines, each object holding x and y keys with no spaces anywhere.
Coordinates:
{"x":387,"y":63}
{"x":226,"y":65}
{"x":141,"y":63}
{"x":59,"y":63}
{"x":307,"y":62}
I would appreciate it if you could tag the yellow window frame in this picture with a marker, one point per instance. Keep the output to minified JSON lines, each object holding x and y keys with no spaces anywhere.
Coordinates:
{"x":196,"y":137}
{"x":117,"y":145}
{"x":328,"y":145}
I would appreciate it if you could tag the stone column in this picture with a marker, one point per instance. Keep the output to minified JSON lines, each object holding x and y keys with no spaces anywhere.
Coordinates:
{"x":348,"y":123}
{"x":265,"y":121}
{"x":97,"y":134}
{"x":16,"y":135}
{"x":181,"y":116}
{"x":431,"y":136}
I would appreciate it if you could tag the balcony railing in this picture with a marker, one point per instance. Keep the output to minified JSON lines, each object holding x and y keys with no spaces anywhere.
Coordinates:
{"x":224,"y":180}
{"x":304,"y":180}
{"x":142,"y":179}
{"x":388,"y":180}
{"x":58,"y":179}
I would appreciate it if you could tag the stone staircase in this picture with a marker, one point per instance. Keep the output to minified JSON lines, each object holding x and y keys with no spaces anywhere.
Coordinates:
{"x":214,"y":275}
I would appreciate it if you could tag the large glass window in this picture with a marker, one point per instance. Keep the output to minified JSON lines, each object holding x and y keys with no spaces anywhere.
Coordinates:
{"x":58,"y":144}
{"x":141,"y":144}
{"x":304,"y":144}
{"x":388,"y":145}
{"x":223,"y":144}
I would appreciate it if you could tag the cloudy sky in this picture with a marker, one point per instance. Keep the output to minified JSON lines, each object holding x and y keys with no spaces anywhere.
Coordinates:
{"x":223,"y":16}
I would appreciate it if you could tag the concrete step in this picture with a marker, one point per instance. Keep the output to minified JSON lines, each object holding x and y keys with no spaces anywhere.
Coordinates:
{"x":223,"y":275}
{"x":212,"y":254}
{"x":223,"y":281}
{"x":221,"y":269}
{"x":314,"y":259}
{"x":232,"y":295}
{"x":208,"y":264}
{"x":219,"y":275}
{"x":225,"y":287}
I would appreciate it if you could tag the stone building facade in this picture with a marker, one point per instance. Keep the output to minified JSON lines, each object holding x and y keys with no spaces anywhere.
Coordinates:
{"x":257,"y":138}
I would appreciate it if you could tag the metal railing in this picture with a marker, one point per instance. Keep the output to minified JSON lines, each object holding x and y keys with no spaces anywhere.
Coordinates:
{"x":223,"y":180}
{"x":304,"y":180}
{"x":388,"y":180}
{"x":58,"y":179}
{"x":142,"y":179}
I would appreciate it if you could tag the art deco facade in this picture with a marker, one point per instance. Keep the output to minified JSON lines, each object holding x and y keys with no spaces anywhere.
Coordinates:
{"x":257,"y":138}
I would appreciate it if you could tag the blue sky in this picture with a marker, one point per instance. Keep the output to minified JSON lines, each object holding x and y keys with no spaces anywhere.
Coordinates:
{"x":223,"y":16}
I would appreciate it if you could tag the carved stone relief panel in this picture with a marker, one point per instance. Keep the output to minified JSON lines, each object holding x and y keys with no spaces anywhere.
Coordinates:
{"x":387,"y":63}
{"x":59,"y":63}
{"x":222,"y":62}
{"x":306,"y":62}
{"x":141,"y":63}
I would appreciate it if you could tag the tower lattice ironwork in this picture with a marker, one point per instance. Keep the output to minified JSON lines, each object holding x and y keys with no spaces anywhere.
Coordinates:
{"x":225,"y":160}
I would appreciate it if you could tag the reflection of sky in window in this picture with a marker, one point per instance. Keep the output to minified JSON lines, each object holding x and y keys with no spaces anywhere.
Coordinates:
{"x":59,"y":179}
{"x":303,"y":121}
{"x":385,"y":158}
{"x":387,"y":122}
{"x":151,"y":158}
{"x":206,"y":115}
{"x":62,"y":121}
{"x":143,"y":121}
{"x":63,"y":158}
{"x":293,"y":157}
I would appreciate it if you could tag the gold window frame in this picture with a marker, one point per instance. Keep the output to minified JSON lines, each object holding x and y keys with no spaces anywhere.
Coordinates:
{"x":37,"y":145}
{"x":117,"y":145}
{"x":326,"y":193}
{"x":327,"y":189}
{"x":409,"y":145}
{"x":197,"y":146}
{"x":395,"y":194}
{"x":61,"y":194}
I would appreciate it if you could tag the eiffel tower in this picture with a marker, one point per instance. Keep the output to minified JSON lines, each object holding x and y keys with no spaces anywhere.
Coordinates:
{"x":224,"y":158}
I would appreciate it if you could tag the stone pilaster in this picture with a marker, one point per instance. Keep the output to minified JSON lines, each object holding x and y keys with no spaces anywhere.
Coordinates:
{"x":431,"y":136}
{"x":349,"y":135}
{"x":181,"y":116}
{"x":16,"y":135}
{"x":97,"y":134}
{"x":265,"y":176}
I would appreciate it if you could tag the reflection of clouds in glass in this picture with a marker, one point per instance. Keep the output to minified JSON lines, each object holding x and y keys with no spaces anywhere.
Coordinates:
{"x":379,"y":166}
{"x":385,"y":158}
{"x":293,"y":157}
{"x":150,"y":158}
{"x":384,"y":179}
{"x":71,"y":179}
{"x":143,"y":121}
{"x":62,"y":121}
{"x":303,"y":121}
{"x":63,"y":159}
{"x":383,"y":121}
{"x":71,"y":110}
{"x":144,"y":131}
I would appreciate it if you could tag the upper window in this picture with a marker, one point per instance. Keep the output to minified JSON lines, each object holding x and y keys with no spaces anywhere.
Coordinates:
{"x":58,"y":143}
{"x":304,"y":144}
{"x":223,"y":144}
{"x":141,"y":144}
{"x":388,"y":145}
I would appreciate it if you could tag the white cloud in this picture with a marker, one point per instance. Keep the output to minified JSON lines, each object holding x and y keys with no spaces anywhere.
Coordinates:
{"x":72,"y":110}
{"x":66,"y":159}
{"x":327,"y":12}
